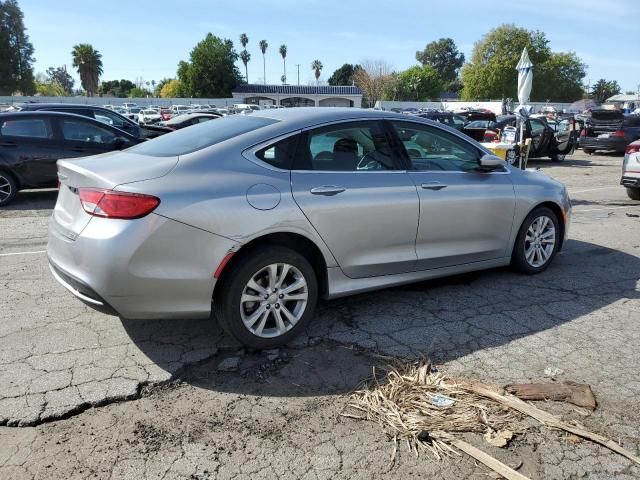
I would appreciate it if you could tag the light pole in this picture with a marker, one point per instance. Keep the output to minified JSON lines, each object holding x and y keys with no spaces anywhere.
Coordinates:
{"x":298,"y":65}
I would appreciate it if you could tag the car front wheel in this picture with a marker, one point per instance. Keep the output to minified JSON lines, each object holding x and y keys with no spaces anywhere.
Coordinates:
{"x":537,"y":242}
{"x":8,"y":188}
{"x":633,"y":193}
{"x":267,"y":297}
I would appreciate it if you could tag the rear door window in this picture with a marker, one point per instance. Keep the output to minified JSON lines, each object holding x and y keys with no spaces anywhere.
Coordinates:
{"x":26,"y":127}
{"x":79,"y":131}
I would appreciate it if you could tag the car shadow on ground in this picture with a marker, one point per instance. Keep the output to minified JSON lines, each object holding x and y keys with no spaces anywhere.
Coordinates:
{"x":443,"y":320}
{"x":568,"y":162}
{"x":33,"y":200}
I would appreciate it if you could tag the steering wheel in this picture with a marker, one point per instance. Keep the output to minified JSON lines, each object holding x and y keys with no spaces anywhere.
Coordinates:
{"x":369,"y":163}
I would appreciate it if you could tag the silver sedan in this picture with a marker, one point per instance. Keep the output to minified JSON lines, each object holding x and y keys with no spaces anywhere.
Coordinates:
{"x":256,"y":217}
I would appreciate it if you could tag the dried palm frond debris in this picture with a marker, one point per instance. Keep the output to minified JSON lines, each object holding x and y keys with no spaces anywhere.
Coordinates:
{"x":424,"y":407}
{"x":429,"y":411}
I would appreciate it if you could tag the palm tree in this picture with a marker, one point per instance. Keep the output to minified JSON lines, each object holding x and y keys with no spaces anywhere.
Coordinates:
{"x":283,"y":53}
{"x":245,"y":57}
{"x":244,"y":40}
{"x":263,"y":48}
{"x":316,"y":65}
{"x":88,"y":61}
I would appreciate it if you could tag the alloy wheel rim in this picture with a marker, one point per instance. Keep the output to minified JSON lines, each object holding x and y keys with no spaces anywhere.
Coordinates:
{"x":539,"y":241}
{"x":274,"y":300}
{"x":5,"y":188}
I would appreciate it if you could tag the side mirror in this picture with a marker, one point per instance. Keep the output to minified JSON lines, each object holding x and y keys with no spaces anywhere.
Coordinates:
{"x":119,"y":143}
{"x":490,"y":162}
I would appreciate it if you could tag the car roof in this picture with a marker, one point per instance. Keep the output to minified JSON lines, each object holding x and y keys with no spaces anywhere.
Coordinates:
{"x":314,"y":115}
{"x":37,"y":106}
{"x":39,"y":113}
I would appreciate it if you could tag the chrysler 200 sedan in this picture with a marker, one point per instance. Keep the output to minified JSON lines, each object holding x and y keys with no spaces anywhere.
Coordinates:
{"x":256,"y":217}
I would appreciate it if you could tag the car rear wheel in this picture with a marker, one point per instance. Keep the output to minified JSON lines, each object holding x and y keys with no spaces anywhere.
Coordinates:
{"x":537,"y":242}
{"x":588,"y":151}
{"x":633,"y":193}
{"x":8,"y":188}
{"x":267,"y":298}
{"x":558,"y":157}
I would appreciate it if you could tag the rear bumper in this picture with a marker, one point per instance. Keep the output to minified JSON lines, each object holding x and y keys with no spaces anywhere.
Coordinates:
{"x":148,"y":268}
{"x":612,"y":143}
{"x":632,"y":182}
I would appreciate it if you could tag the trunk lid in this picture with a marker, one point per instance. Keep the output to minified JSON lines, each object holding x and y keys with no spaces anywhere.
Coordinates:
{"x":100,"y":171}
{"x":604,"y":122}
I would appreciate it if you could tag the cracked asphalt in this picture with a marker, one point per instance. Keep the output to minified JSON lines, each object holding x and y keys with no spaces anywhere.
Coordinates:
{"x":98,"y":397}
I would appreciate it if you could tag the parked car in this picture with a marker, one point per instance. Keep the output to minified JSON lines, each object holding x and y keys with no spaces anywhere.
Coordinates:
{"x":631,"y":170}
{"x":32,"y":142}
{"x":179,"y":109}
{"x":545,"y":140}
{"x":260,"y":215}
{"x":189,"y":119}
{"x":92,"y":111}
{"x":128,"y":105}
{"x":609,"y":130}
{"x":446,"y":118}
{"x":149,"y":116}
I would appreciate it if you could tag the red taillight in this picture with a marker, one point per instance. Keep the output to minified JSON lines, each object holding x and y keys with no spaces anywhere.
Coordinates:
{"x":632,"y":148}
{"x":583,"y":132}
{"x":490,"y":136}
{"x":112,"y":204}
{"x":618,"y":133}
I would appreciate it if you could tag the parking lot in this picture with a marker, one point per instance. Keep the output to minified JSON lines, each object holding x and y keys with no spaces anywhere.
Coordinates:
{"x":85,"y":395}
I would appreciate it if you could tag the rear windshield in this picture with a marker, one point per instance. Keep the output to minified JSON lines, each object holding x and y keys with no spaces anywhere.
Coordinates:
{"x":199,"y":136}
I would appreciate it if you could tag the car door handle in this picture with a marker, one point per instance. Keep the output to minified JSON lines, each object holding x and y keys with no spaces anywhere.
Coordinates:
{"x":433,"y":186}
{"x":327,"y":190}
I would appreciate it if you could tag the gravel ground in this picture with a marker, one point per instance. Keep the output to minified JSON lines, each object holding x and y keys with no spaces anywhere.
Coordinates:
{"x":84,"y":395}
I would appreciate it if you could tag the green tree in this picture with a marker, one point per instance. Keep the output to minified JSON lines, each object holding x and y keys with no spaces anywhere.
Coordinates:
{"x":263,"y":48}
{"x":560,"y":78}
{"x":603,"y":89}
{"x":444,"y":57}
{"x":316,"y":66}
{"x":117,"y":88}
{"x":283,"y":54}
{"x":343,"y":75}
{"x":419,"y":83}
{"x":61,"y":77}
{"x":244,"y":40}
{"x":245,"y":57}
{"x":491,"y":72}
{"x":48,"y":88}
{"x":160,"y":85}
{"x":211,"y":71}
{"x":16,"y":51}
{"x":172,"y":89}
{"x":88,"y":61}
{"x":138,"y":92}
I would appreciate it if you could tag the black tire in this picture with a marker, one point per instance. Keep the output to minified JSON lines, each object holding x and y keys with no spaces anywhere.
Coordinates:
{"x":588,"y":151}
{"x":633,"y":193}
{"x":518,"y":258}
{"x":227,"y":298}
{"x":557,"y":157}
{"x":8,"y":188}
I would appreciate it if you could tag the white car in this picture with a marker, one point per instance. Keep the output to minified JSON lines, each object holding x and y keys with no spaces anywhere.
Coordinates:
{"x":631,"y":170}
{"x":129,"y":105}
{"x":149,"y":116}
{"x":179,"y":109}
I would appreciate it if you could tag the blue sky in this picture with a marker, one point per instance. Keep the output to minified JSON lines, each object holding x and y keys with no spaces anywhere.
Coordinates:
{"x":147,"y":38}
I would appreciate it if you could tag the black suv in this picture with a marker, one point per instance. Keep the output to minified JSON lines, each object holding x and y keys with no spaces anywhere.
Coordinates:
{"x":32,"y":142}
{"x":609,"y":130}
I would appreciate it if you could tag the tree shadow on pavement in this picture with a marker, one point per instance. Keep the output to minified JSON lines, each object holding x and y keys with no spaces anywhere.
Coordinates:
{"x":443,"y":319}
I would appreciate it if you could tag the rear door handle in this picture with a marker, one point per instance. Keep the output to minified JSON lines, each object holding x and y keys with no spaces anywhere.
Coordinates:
{"x":327,"y":190}
{"x":433,"y":186}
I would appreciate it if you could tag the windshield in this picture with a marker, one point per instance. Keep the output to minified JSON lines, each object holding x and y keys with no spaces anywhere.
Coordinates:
{"x":200,"y":136}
